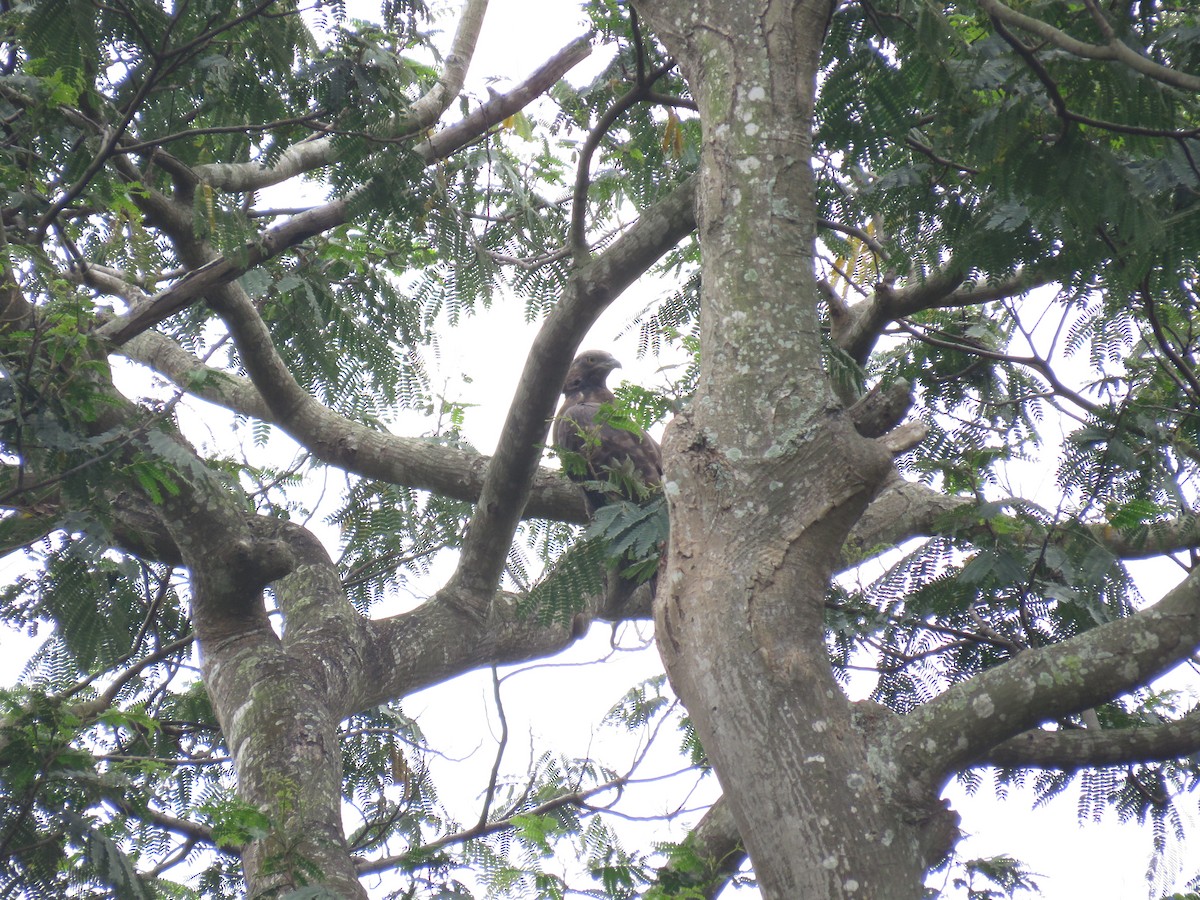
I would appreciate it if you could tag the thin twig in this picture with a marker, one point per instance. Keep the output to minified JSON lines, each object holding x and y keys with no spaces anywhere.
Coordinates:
{"x":490,"y":794}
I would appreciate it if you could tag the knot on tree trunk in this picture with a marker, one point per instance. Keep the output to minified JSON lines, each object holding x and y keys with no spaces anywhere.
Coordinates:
{"x":933,"y":821}
{"x":937,"y":829}
{"x":256,"y":563}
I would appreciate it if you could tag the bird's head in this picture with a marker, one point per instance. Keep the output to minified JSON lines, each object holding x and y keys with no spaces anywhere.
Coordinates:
{"x":590,"y":369}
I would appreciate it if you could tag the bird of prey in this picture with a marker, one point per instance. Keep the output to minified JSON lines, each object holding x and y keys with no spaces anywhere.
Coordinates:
{"x":581,"y":428}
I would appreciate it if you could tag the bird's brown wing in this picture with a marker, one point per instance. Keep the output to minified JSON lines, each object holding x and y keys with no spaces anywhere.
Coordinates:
{"x":602,"y":446}
{"x":574,"y":429}
{"x":619,"y":444}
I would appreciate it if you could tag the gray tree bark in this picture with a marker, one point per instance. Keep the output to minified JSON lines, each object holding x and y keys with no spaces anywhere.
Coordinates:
{"x":769,"y":468}
{"x":771,"y":484}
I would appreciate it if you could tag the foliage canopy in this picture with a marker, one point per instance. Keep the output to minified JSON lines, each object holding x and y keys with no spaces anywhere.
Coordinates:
{"x":284,"y":211}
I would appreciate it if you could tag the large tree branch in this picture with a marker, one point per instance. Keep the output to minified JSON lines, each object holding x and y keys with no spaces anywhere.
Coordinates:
{"x":430,"y":644}
{"x":232,"y":557}
{"x":335,"y":439}
{"x":366,"y":662}
{"x":322,"y":629}
{"x":1089,"y":747}
{"x":716,"y":844}
{"x":1115,"y":50}
{"x":590,"y":289}
{"x":500,"y":106}
{"x":200,"y":282}
{"x":904,"y":510}
{"x":221,"y":270}
{"x":166,"y":357}
{"x":1043,"y":683}
{"x":319,"y":151}
{"x":857,"y":328}
{"x":429,"y":108}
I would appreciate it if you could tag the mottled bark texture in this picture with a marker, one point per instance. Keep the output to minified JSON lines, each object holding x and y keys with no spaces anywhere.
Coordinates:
{"x":767,"y":466}
{"x":772,"y":486}
{"x":832,"y":799}
{"x":280,"y":698}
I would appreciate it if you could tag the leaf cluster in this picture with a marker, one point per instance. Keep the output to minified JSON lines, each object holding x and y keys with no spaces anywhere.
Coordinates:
{"x":391,"y":534}
{"x":949,"y":609}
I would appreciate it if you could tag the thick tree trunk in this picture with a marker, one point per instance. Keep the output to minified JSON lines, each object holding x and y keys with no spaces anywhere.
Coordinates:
{"x":766,"y":475}
{"x":284,"y":738}
{"x":273,"y":704}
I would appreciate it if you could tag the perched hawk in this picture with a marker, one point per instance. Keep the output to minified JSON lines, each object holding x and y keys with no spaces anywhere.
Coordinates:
{"x":604,"y":448}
